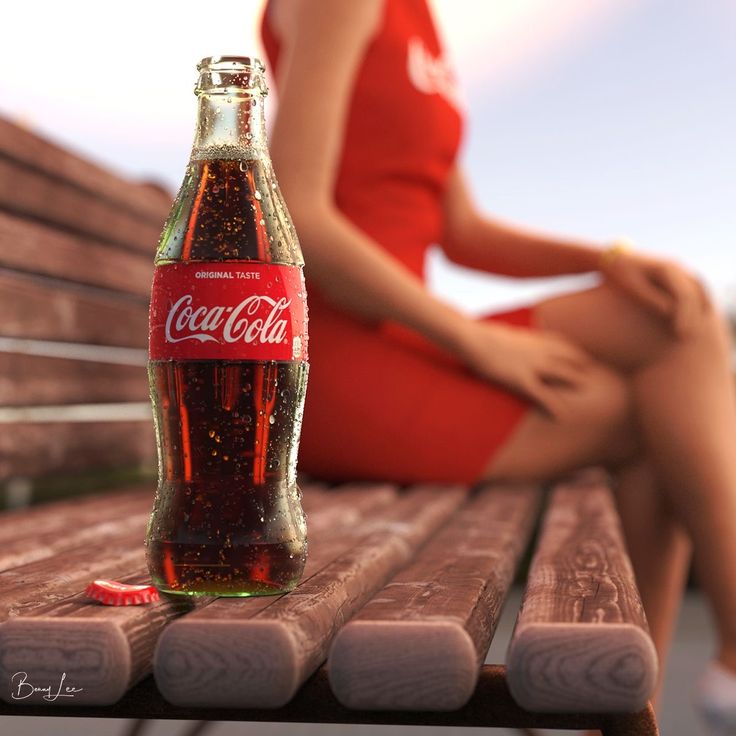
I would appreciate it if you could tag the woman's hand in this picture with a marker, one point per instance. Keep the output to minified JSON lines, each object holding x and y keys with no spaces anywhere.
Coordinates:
{"x":533,"y":363}
{"x":663,"y":286}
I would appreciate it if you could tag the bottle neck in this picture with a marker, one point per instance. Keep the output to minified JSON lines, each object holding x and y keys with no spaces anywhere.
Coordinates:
{"x":230,"y":126}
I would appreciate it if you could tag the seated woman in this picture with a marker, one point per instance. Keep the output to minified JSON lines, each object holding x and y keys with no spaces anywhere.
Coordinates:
{"x":632,"y":375}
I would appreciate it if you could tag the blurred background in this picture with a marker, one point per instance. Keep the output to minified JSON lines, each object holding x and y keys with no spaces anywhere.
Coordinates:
{"x":596,"y":118}
{"x":593,"y":118}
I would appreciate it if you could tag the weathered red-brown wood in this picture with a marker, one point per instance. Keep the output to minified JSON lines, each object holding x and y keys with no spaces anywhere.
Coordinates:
{"x":33,"y":380}
{"x":581,"y":641}
{"x":42,"y":309}
{"x":58,"y":516}
{"x":31,"y":586}
{"x":226,"y":654}
{"x":27,"y":192}
{"x":65,"y":447}
{"x":419,"y":643}
{"x":119,"y":642}
{"x":22,"y":145}
{"x":29,"y":246}
{"x":490,"y":707}
{"x":54,"y":545}
{"x":348,"y":503}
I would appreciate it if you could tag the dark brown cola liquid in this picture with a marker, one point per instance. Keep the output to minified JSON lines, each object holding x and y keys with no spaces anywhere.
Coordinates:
{"x":227,"y":517}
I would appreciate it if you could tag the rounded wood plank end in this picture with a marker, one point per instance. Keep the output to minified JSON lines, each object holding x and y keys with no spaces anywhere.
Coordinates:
{"x":587,"y":668}
{"x":403,"y":665}
{"x":80,"y":661}
{"x":228,"y":664}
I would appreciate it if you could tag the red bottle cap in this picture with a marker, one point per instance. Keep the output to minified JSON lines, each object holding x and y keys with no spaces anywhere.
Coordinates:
{"x":111,"y":593}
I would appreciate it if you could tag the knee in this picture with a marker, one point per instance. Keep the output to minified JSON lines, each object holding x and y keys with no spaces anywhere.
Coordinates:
{"x":604,"y":411}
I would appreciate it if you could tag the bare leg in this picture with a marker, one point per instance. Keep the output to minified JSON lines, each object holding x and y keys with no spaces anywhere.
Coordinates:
{"x":599,"y":429}
{"x":660,"y":553}
{"x":683,"y":402}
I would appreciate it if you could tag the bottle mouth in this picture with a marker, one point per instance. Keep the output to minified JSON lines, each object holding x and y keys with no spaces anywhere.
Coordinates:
{"x":231,"y":75}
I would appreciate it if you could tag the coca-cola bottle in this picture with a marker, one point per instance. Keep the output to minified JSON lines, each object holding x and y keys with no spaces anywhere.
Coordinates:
{"x":228,"y":358}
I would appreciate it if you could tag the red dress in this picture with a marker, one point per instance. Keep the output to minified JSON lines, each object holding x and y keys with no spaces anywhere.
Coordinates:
{"x":383,"y":402}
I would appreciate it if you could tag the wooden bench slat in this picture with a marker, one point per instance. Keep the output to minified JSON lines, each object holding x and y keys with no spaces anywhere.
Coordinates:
{"x":28,"y":587}
{"x":80,"y":512}
{"x":35,"y":248}
{"x":490,"y":706}
{"x":119,"y":642}
{"x":80,"y":530}
{"x":419,"y":643}
{"x":581,"y":641}
{"x":49,"y":310}
{"x":32,"y":380}
{"x":23,"y":145}
{"x":29,"y":193}
{"x":56,"y":515}
{"x":34,"y":450}
{"x":227,"y":655}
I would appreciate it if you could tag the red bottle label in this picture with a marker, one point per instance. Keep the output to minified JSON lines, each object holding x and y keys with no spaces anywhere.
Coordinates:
{"x":228,"y":311}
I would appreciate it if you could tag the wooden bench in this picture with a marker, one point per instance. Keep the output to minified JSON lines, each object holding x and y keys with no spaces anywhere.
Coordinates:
{"x":403,"y":587}
{"x":76,"y":246}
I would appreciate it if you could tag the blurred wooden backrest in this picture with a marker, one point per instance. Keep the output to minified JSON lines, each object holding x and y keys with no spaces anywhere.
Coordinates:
{"x":76,"y":260}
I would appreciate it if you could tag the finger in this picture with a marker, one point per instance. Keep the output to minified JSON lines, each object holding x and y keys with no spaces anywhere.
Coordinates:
{"x":564,"y":349}
{"x":559,"y":371}
{"x":545,"y":397}
{"x":651,"y":295}
{"x":574,"y":356}
{"x":703,"y":294}
{"x":684,"y":296}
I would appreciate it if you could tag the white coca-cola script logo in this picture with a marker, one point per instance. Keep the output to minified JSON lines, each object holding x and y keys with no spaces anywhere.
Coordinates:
{"x":245,"y":322}
{"x":431,"y":74}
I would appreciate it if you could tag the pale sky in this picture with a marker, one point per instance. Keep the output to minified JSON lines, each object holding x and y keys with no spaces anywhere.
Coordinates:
{"x":594,"y":118}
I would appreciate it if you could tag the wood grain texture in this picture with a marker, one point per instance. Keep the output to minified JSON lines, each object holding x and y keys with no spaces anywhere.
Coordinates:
{"x":27,"y":192}
{"x":45,"y":309}
{"x":106,"y":650}
{"x":581,"y":641}
{"x":81,"y":529}
{"x":57,"y":516}
{"x":32,"y":380}
{"x":491,"y":706}
{"x":22,"y":145}
{"x":228,"y":655}
{"x":419,"y":643}
{"x":34,"y":450}
{"x":28,"y":587}
{"x":29,"y":246}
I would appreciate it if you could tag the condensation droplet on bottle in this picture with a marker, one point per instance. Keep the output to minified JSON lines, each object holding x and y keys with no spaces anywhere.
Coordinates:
{"x":271,"y":419}
{"x":211,"y":433}
{"x":257,"y":194}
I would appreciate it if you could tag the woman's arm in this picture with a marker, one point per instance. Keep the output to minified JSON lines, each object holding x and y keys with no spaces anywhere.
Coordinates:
{"x":473,"y":240}
{"x":323,"y":42}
